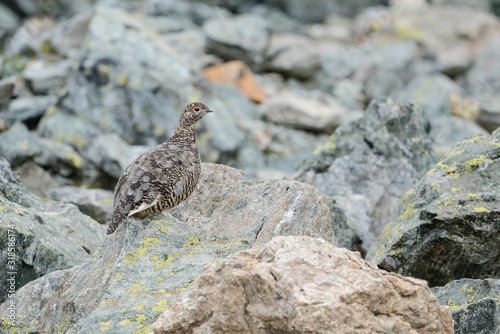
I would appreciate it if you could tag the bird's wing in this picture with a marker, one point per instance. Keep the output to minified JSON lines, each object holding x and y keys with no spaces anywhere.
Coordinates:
{"x":151,"y":176}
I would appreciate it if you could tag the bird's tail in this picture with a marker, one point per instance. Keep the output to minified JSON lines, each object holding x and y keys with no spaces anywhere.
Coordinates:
{"x":116,"y":220}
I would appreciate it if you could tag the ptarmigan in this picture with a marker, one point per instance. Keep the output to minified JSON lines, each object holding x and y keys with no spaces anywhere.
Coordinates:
{"x":162,"y":177}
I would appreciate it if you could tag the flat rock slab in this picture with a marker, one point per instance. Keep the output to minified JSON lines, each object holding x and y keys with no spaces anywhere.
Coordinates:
{"x":304,"y":285}
{"x":447,"y":226}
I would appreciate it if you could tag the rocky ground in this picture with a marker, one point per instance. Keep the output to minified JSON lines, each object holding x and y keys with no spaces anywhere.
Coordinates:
{"x":339,"y":127}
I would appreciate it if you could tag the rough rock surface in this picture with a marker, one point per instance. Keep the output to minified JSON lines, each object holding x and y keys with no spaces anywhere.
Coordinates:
{"x":140,"y":271}
{"x":302,"y":112}
{"x":48,"y":236}
{"x":259,"y":210}
{"x":474,"y":304}
{"x":304,"y":285}
{"x":447,"y":226}
{"x":96,"y":203}
{"x":369,"y":164}
{"x":244,"y":37}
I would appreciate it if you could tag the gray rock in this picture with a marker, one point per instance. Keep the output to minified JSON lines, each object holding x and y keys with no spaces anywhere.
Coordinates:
{"x":273,"y":151}
{"x":243,"y":37}
{"x":47,"y":78}
{"x":28,"y":110}
{"x":474,"y":304}
{"x":446,"y":226}
{"x":294,"y":285}
{"x":318,"y":10}
{"x":483,"y":85}
{"x":446,"y":131}
{"x":6,"y":93}
{"x":140,"y":271}
{"x":302,"y":112}
{"x":19,"y":145}
{"x":369,"y":164}
{"x":292,"y":55}
{"x":431,"y":93}
{"x":69,"y":35}
{"x":30,"y":37}
{"x":47,"y":236}
{"x":9,"y":20}
{"x":36,"y":179}
{"x":96,"y":203}
{"x":196,"y":11}
{"x":350,"y":94}
{"x":476,"y":4}
{"x":112,"y":154}
{"x":129,"y":83}
{"x":389,"y":70}
{"x":277,"y":21}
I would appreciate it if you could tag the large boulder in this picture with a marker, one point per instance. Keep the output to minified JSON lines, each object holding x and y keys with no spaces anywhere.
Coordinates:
{"x":303,"y":285}
{"x":367,"y":165}
{"x":40,"y":236}
{"x":447,"y":225}
{"x":140,"y":271}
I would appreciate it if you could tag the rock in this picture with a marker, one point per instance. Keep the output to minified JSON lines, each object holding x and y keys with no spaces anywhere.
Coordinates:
{"x":36,"y":179}
{"x":318,"y":10}
{"x":129,"y":82}
{"x":237,"y":74}
{"x":296,"y":209}
{"x":19,"y":145}
{"x":446,"y":226}
{"x":243,"y":37}
{"x":140,"y":271}
{"x":390,"y":68}
{"x":9,"y":20}
{"x":295,"y":284}
{"x":38,"y":226}
{"x":350,"y":94}
{"x":273,"y":151}
{"x":112,"y":154}
{"x":483,"y":5}
{"x":368,"y":165}
{"x":432,"y":93}
{"x":29,"y":38}
{"x":483,"y":86}
{"x":276,"y":20}
{"x":47,"y":78}
{"x":28,"y":110}
{"x":69,"y":35}
{"x":446,"y":131}
{"x":473,"y":304}
{"x":292,"y":55}
{"x":96,"y":203}
{"x":335,"y":27}
{"x":6,"y":93}
{"x":297,"y":111}
{"x":452,"y":48}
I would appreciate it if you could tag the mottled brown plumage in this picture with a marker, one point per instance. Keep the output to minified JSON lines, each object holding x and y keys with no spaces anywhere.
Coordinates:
{"x":162,"y":177}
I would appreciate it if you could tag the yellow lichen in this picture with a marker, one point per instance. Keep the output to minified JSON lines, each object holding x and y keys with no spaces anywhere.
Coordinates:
{"x":473,"y":164}
{"x":75,"y":160}
{"x":139,"y":307}
{"x":160,"y":306}
{"x":135,"y":288}
{"x":481,"y":209}
{"x":140,"y":318}
{"x":455,"y":307}
{"x":192,"y":241}
{"x":471,"y":195}
{"x":105,"y":325}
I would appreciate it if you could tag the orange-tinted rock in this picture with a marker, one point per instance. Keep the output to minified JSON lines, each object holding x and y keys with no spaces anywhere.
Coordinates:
{"x":237,"y":74}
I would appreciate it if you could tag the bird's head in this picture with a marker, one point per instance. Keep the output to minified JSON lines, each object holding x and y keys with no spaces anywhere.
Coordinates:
{"x":194,"y":112}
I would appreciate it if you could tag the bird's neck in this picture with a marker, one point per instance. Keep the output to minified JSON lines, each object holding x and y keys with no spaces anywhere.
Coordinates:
{"x":185,"y":133}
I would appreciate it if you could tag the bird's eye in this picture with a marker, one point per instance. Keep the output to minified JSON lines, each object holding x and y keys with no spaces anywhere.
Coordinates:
{"x":197,"y":109}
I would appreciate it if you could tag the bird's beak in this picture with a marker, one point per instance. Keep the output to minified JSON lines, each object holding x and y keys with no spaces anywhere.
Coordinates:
{"x":209,"y":111}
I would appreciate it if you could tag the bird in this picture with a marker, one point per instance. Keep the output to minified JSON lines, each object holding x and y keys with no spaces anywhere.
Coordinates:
{"x":163,"y":176}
